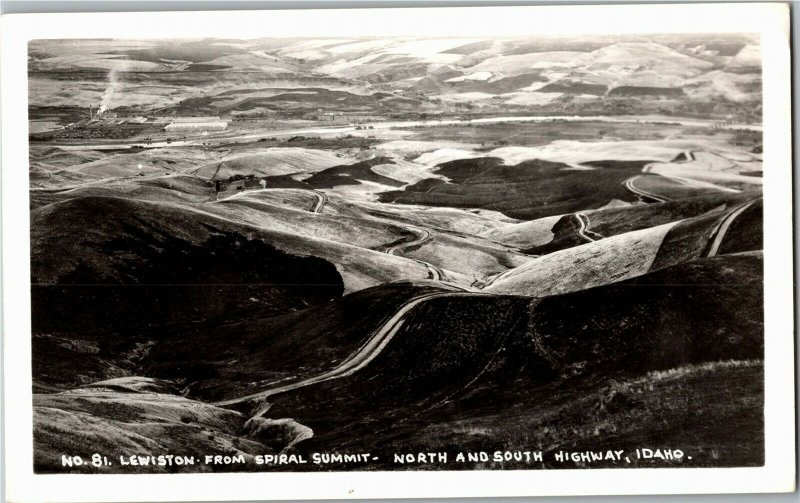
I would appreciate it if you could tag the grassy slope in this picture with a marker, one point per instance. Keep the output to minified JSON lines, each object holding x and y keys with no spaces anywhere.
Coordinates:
{"x":172,"y":188}
{"x":691,"y":238}
{"x":608,"y":222}
{"x":648,"y":362}
{"x":746,"y":232}
{"x":613,"y":221}
{"x":576,"y":371}
{"x":580,"y":267}
{"x":116,"y":420}
{"x":529,"y":190}
{"x":246,"y":355}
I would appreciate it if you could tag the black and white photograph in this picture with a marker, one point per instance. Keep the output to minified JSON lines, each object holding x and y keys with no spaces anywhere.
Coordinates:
{"x":397,"y":253}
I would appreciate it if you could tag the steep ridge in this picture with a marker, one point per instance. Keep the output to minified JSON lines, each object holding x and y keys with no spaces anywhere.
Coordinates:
{"x":482,"y":351}
{"x":613,"y":221}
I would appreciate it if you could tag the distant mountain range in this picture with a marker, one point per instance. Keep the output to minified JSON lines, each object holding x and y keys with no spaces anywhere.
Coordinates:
{"x":690,"y":74}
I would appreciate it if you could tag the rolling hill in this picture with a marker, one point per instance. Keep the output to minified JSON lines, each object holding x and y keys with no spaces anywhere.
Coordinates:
{"x":611,"y":74}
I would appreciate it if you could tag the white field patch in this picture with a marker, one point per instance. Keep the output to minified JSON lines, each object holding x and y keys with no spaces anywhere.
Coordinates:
{"x":577,"y":152}
{"x":360,"y":267}
{"x":109,"y":62}
{"x":749,"y":56}
{"x":634,"y":63}
{"x":432,"y":49}
{"x":309,"y":49}
{"x":298,"y":199}
{"x":230,"y":99}
{"x":530,"y":98}
{"x":147,"y":162}
{"x":405,"y":171}
{"x":719,"y":83}
{"x":364,"y":191}
{"x":464,"y":221}
{"x":254,"y":61}
{"x":525,"y":234}
{"x":519,"y":64}
{"x":272,"y":161}
{"x":692,"y":175}
{"x":712,"y":169}
{"x":50,"y":92}
{"x":416,"y":148}
{"x":464,"y":97}
{"x":293,"y":219}
{"x":627,"y":59}
{"x":467,"y":256}
{"x":598,"y":263}
{"x":614,"y":203}
{"x":443,"y":155}
{"x":358,"y":67}
{"x":370,"y":46}
{"x":481,"y":76}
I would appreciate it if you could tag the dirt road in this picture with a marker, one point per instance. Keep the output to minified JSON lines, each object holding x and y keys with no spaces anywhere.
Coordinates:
{"x":322,"y":198}
{"x":376,"y":343}
{"x":583,"y":228}
{"x":423,"y":236}
{"x":642,"y":193}
{"x":722,"y":229}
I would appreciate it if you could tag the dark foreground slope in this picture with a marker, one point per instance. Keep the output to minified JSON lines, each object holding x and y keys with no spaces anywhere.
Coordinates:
{"x":639,"y":363}
{"x":109,"y":276}
{"x":645,"y":363}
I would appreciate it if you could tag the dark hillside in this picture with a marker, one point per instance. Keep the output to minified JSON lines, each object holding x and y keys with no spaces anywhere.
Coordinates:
{"x":508,"y":365}
{"x":746,"y":232}
{"x":529,"y":190}
{"x":108,"y":270}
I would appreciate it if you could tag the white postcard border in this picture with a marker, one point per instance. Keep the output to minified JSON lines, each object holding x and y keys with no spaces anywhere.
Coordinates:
{"x":771,"y":21}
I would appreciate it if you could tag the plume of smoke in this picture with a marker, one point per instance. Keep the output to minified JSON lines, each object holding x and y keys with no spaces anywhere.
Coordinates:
{"x":111,"y":90}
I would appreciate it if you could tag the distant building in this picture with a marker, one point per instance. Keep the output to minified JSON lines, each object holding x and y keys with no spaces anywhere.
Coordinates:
{"x":196,"y":124}
{"x":207,"y":118}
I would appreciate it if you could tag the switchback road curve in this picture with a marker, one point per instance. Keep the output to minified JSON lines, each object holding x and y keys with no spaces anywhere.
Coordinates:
{"x":368,"y":351}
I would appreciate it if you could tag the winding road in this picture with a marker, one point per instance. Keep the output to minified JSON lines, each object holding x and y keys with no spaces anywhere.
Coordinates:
{"x":322,"y":198}
{"x":423,"y":236}
{"x":368,"y":351}
{"x":642,"y":193}
{"x":583,"y":227}
{"x":689,"y":156}
{"x":722,"y":228}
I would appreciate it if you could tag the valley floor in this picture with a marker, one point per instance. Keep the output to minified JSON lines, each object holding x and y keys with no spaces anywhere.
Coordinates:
{"x":403,"y":289}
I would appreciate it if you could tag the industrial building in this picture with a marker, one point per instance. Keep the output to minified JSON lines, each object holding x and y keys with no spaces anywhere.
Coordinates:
{"x":196,"y":124}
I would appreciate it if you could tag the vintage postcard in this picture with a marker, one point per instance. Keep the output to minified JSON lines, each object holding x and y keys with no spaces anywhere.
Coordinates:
{"x":398,"y":253}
